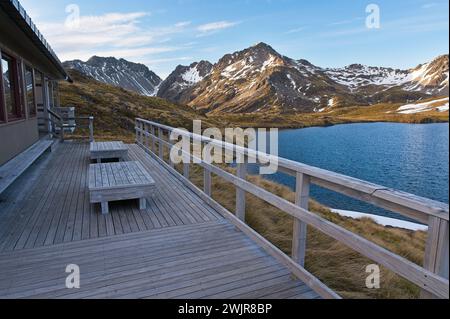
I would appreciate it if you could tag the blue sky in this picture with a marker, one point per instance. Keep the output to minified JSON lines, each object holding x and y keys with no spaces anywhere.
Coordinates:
{"x":165,"y":33}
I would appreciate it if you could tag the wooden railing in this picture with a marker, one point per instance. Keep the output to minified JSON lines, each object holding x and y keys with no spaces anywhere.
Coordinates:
{"x":432,"y":278}
{"x":60,"y":124}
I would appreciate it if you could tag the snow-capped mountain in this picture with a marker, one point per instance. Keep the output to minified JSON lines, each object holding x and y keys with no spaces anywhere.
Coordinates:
{"x":259,"y":79}
{"x":128,"y":75}
{"x":176,"y":87}
{"x":430,"y":78}
{"x":357,"y":76}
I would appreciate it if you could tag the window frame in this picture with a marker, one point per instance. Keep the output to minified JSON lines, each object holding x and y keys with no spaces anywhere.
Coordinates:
{"x":19,"y":101}
{"x":28,"y":111}
{"x":3,"y":117}
{"x":21,"y":92}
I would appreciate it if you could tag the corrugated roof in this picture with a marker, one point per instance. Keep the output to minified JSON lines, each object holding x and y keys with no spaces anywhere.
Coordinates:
{"x":17,"y":13}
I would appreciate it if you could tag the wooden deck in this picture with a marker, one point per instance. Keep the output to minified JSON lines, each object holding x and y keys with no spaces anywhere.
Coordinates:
{"x":179,"y":247}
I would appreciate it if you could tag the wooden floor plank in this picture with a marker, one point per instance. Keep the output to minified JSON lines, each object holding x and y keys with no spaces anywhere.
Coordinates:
{"x":215,"y":262}
{"x":179,"y":247}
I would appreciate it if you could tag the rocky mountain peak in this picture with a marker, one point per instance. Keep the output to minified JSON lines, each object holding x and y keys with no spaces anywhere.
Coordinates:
{"x":175,"y":88}
{"x":430,"y":78}
{"x":120,"y":72}
{"x":259,"y":79}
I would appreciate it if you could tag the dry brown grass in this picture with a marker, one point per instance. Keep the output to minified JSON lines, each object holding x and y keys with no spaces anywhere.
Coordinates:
{"x":339,"y":267}
{"x":356,"y":114}
{"x":115,"y":109}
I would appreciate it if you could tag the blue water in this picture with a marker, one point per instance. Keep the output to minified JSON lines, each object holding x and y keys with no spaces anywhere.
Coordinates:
{"x":408,"y":157}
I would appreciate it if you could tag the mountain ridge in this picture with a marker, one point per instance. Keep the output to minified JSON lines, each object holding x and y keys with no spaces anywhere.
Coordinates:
{"x":119,"y":72}
{"x":259,"y":79}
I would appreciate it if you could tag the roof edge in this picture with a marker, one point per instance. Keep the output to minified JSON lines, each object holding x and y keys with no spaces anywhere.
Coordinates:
{"x":16,"y":11}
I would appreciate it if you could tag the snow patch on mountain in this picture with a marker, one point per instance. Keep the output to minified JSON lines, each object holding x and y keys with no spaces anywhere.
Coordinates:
{"x":192,"y":75}
{"x":176,"y":86}
{"x":356,"y":76}
{"x":430,"y":78}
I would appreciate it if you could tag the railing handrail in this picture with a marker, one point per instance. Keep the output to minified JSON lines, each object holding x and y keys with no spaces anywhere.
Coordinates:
{"x":54,"y":114}
{"x":61,"y":123}
{"x":416,"y":203}
{"x":432,"y":278}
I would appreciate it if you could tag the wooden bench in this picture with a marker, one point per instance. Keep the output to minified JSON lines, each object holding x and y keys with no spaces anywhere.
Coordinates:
{"x":119,"y":181}
{"x":108,"y":150}
{"x":12,"y":170}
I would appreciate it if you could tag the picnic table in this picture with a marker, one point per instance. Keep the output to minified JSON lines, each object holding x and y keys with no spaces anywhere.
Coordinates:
{"x":119,"y":181}
{"x":108,"y":150}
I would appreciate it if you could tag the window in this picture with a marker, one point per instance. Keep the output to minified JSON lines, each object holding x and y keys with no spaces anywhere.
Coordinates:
{"x":8,"y":85}
{"x":55,"y":94}
{"x":12,"y":91}
{"x":29,"y":87}
{"x":20,"y":92}
{"x":2,"y":101}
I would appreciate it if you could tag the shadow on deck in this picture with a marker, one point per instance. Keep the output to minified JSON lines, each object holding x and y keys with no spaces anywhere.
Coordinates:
{"x":179,"y":247}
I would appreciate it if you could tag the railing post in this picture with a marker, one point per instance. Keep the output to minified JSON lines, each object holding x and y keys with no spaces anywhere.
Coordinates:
{"x":137,"y":130}
{"x":186,"y":170}
{"x":171,"y":163}
{"x":300,"y":230}
{"x":207,"y":186}
{"x":152,"y":129}
{"x":160,"y":143}
{"x":437,"y":250}
{"x":61,"y":131}
{"x":146,"y":135}
{"x":91,"y":129}
{"x":240,"y":193}
{"x":141,"y":136}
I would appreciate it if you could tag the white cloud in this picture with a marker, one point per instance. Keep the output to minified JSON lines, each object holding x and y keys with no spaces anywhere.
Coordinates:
{"x":429,"y":5}
{"x":216,"y":26}
{"x":183,"y":24}
{"x":112,"y":34}
{"x":296,"y":30}
{"x":135,"y":54}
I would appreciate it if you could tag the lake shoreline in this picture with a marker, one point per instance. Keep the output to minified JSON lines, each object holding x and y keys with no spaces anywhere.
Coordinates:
{"x":367,"y":122}
{"x":344,"y":122}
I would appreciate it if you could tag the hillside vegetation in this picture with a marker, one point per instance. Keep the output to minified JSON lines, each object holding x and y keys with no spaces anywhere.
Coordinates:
{"x":385,"y":112}
{"x":336,"y":265}
{"x":115,"y":109}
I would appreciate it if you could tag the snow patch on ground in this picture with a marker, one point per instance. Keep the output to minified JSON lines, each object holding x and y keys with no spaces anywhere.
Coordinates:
{"x":381,"y":220}
{"x":331,"y":102}
{"x":424,"y":107}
